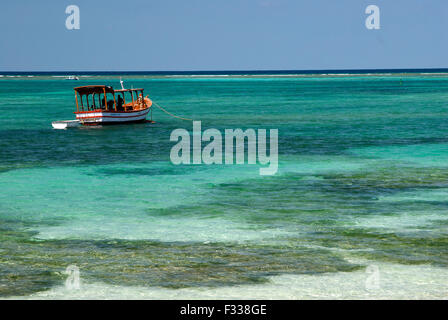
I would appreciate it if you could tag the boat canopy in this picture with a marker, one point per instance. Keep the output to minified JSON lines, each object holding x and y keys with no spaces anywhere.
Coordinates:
{"x":94,"y":89}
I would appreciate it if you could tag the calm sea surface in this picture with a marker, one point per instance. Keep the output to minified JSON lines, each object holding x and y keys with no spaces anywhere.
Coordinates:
{"x":358,"y":208}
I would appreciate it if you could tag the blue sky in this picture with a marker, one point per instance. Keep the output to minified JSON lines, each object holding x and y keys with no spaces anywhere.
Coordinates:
{"x":154,"y":35}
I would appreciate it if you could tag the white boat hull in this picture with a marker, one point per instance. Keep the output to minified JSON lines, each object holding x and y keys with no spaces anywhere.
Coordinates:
{"x":105,"y":117}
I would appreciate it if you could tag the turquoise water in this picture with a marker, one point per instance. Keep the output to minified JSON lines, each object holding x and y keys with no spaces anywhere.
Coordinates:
{"x":362,"y":180}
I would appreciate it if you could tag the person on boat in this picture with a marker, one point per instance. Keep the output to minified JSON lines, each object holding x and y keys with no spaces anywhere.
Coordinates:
{"x":120,"y":102}
{"x":103,"y":104}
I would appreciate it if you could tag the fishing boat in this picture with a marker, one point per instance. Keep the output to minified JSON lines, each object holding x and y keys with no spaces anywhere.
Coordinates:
{"x":102,"y":105}
{"x":72,"y":78}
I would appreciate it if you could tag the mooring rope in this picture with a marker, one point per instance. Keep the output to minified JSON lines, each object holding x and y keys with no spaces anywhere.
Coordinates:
{"x":169,"y":113}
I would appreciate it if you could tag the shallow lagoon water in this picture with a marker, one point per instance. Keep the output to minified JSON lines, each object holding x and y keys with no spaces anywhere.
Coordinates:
{"x":418,"y":282}
{"x":362,"y":181}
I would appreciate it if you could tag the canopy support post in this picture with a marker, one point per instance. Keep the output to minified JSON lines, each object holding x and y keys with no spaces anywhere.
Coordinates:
{"x":76,"y":98}
{"x":132,"y":96}
{"x":105,"y":99}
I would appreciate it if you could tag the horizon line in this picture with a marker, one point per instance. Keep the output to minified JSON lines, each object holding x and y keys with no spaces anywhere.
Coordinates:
{"x":394,"y":70}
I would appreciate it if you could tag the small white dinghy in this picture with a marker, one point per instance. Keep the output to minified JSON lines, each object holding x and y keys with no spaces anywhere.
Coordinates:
{"x":65,"y":124}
